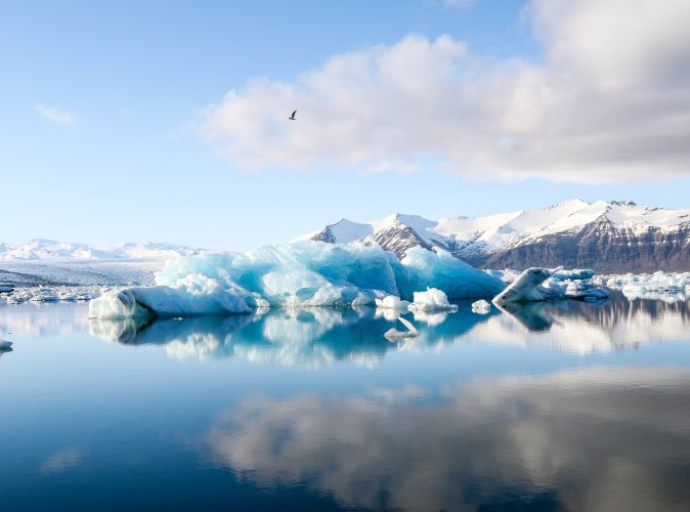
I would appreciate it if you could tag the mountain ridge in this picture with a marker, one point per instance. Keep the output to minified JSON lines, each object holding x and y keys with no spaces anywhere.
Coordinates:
{"x":41,"y":249}
{"x":613,"y":236}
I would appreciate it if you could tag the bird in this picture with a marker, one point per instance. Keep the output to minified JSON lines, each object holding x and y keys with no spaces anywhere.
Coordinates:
{"x":292,"y":117}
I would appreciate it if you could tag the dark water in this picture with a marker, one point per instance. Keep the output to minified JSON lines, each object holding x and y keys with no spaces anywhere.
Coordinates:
{"x":557,"y":407}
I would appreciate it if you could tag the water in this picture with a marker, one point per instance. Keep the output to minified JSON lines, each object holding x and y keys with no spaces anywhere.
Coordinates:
{"x":559,"y":407}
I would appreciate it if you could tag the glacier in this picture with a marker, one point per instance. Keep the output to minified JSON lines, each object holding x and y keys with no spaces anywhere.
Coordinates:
{"x":301,"y":274}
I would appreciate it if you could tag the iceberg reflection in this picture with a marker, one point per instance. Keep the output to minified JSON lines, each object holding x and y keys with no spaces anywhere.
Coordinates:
{"x":583,"y":328}
{"x":594,"y":439}
{"x":318,"y":337}
{"x":312,"y":337}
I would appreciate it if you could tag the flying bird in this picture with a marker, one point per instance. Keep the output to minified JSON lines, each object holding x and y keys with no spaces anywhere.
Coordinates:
{"x":292,"y":117}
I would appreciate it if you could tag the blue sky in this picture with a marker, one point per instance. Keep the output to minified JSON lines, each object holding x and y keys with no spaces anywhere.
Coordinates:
{"x":105,"y":108}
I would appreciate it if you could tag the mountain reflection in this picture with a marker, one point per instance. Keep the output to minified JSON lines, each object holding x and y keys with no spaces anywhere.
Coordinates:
{"x":318,"y":337}
{"x":594,"y":439}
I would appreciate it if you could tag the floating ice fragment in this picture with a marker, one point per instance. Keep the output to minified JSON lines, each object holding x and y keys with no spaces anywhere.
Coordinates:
{"x":431,"y":300}
{"x":392,"y":302}
{"x":481,"y":307}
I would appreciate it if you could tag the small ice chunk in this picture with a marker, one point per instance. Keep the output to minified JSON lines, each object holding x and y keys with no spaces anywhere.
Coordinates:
{"x":431,"y":300}
{"x":481,"y":307}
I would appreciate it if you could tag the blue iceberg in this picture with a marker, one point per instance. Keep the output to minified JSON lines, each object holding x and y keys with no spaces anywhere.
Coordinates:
{"x":303,"y":274}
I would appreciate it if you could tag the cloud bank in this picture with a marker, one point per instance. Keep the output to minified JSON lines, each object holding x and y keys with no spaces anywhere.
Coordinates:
{"x":610,"y":102}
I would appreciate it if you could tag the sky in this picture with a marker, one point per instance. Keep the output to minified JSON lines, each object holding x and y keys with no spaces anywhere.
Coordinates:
{"x":167,"y":121}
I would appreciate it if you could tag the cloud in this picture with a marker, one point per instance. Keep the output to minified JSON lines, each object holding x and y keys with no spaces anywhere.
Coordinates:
{"x":55,"y":115}
{"x":610,"y":102}
{"x":591,"y":439}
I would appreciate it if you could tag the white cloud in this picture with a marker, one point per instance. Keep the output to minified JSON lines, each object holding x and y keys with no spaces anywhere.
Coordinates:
{"x":611,"y":102}
{"x":55,"y":115}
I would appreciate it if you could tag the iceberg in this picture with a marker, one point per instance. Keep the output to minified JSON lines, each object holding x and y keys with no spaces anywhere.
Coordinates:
{"x":311,"y":274}
{"x":164,"y":301}
{"x":392,"y":302}
{"x":422,"y":269}
{"x":431,"y":300}
{"x":542,"y":284}
{"x":481,"y":307}
{"x":303,"y":274}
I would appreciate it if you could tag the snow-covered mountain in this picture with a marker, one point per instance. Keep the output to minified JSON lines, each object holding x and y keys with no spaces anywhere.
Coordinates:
{"x":607,"y":236}
{"x":50,"y":262}
{"x":50,"y":250}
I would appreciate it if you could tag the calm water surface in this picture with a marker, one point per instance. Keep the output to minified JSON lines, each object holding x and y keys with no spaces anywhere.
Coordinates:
{"x":550,"y":407}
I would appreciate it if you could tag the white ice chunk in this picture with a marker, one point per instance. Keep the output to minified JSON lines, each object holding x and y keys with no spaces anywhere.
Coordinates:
{"x":431,"y":300}
{"x":481,"y":307}
{"x":392,"y":302}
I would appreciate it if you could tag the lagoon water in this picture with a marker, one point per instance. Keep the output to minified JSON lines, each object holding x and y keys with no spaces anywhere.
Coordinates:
{"x":567,"y":406}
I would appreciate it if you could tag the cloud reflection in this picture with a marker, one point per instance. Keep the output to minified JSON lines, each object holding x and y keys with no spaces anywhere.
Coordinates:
{"x":595,"y":439}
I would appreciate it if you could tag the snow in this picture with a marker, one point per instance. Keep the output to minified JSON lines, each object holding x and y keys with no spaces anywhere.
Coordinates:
{"x":304,"y":274}
{"x":348,"y":231}
{"x":51,"y":250}
{"x":431,"y":300}
{"x":500,"y":231}
{"x":48,"y":262}
{"x":541,"y":284}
